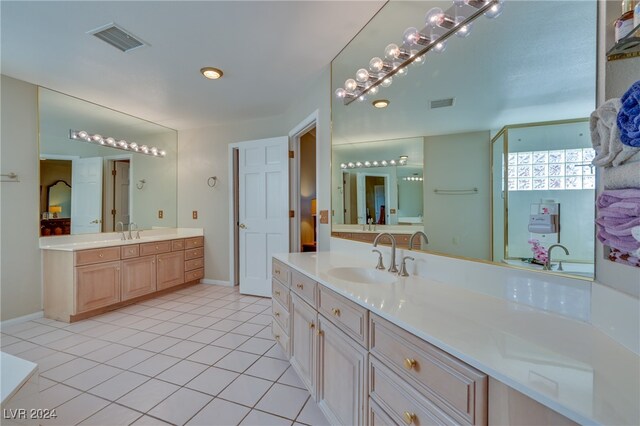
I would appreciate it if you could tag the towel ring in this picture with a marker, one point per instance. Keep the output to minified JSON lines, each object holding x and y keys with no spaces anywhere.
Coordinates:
{"x":212,"y":181}
{"x":141,"y":183}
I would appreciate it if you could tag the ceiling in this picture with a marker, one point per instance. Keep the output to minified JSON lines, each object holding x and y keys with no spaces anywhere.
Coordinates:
{"x":269,"y":52}
{"x":536,"y":62}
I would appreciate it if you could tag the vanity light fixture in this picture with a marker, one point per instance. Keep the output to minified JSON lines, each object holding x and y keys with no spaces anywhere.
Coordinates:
{"x":439,"y":26}
{"x":401,"y":161}
{"x":211,"y":73}
{"x":81,"y":135}
{"x":413,"y":178}
{"x":380,"y":103}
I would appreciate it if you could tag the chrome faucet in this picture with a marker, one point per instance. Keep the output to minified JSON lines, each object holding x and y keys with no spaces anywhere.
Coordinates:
{"x":380,"y":264}
{"x":131,"y":225}
{"x":403,"y":269}
{"x":124,"y":237}
{"x":547,"y":264}
{"x":417,"y":234}
{"x":392,"y":267}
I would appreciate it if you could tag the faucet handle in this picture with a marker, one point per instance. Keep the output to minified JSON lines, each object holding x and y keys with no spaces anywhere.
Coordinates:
{"x":403,"y":268}
{"x":380,"y":264}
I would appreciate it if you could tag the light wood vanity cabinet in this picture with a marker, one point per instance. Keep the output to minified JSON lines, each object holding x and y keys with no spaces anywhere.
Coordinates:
{"x":84,"y":283}
{"x":138,"y":277}
{"x":304,"y":320}
{"x":97,"y":285}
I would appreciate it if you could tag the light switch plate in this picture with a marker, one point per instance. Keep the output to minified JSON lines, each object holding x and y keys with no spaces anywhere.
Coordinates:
{"x":160,"y":214}
{"x":195,"y":214}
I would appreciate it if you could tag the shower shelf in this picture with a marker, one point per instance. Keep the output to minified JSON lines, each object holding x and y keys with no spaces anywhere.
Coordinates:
{"x":626,"y":47}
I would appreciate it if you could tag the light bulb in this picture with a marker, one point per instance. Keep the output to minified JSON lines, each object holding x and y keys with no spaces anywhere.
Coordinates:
{"x":464,"y":31}
{"x":341,"y":93}
{"x":392,"y":162}
{"x":402,"y":72}
{"x":433,"y":17}
{"x":350,"y":85}
{"x":411,"y":36}
{"x":374,"y":90}
{"x":96,"y":138}
{"x":418,"y":60}
{"x":367,"y":163}
{"x":391,"y":51}
{"x":144,"y":149}
{"x":494,"y":11}
{"x":343,"y":166}
{"x":358,"y":164}
{"x":351,"y":165}
{"x":162,"y":153}
{"x":440,"y":46}
{"x":387,"y":82}
{"x":82,"y":134}
{"x":376,"y":64}
{"x":384,"y":163}
{"x":362,"y":75}
{"x":110,"y":140}
{"x":122,"y":143}
{"x":362,"y":98}
{"x":154,"y":150}
{"x":375,"y":163}
{"x":133,"y":146}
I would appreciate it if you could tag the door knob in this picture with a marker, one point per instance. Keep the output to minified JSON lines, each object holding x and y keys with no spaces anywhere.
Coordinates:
{"x":242,"y":226}
{"x":95,"y":221}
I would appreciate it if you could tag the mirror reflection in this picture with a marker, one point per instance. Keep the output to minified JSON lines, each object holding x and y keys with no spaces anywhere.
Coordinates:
{"x":468,"y":109}
{"x":89,"y":187}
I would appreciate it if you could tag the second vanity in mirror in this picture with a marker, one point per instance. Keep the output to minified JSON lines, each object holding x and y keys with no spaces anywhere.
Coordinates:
{"x":474,"y":156}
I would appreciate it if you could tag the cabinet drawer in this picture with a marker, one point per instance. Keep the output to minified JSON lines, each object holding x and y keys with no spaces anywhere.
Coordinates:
{"x":155,"y":248}
{"x":280,"y":293}
{"x":377,"y":416}
{"x":281,"y":338}
{"x":195,"y":242}
{"x":194,"y":253}
{"x":177,"y":245}
{"x":281,"y":315}
{"x":351,"y":318}
{"x":192,"y":264}
{"x":87,"y":257}
{"x":455,"y":387}
{"x":127,"y":252}
{"x":196,"y":274}
{"x":281,"y":272}
{"x":399,"y":401}
{"x":304,"y":287}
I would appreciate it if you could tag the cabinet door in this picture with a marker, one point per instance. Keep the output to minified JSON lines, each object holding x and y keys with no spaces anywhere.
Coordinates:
{"x":97,"y":286}
{"x":138,"y":277}
{"x":304,"y":342}
{"x":170,"y":269}
{"x":342,"y":388}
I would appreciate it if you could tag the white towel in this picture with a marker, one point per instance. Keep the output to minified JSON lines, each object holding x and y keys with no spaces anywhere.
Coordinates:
{"x":621,"y":177}
{"x":605,"y":136}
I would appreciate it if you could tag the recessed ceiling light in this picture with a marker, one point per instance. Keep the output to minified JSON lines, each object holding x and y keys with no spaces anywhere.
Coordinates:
{"x":211,"y":73}
{"x":380,"y":103}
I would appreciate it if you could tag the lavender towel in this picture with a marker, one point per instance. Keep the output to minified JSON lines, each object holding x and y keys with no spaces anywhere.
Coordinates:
{"x":618,"y":227}
{"x":629,"y":116}
{"x":625,"y":244}
{"x":611,"y":196}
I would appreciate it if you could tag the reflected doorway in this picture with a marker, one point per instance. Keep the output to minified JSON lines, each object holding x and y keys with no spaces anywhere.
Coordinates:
{"x":117,"y":194}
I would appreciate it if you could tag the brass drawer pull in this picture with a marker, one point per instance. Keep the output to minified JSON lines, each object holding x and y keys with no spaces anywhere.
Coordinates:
{"x":277,"y":314}
{"x":320,"y":332}
{"x":312,"y":325}
{"x":336,"y":312}
{"x":408,"y":417}
{"x":277,"y":271}
{"x":300,"y":286}
{"x":277,"y":336}
{"x":100,"y":255}
{"x":410,"y":363}
{"x":157,"y":248}
{"x":277,"y":293}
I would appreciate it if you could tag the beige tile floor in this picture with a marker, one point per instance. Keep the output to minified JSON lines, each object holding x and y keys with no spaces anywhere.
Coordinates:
{"x":203,"y":355}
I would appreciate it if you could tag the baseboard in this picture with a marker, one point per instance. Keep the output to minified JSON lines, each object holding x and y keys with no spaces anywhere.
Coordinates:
{"x":24,"y":318}
{"x":215,"y":282}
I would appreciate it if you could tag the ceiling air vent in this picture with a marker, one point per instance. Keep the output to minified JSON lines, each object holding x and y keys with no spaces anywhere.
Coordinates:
{"x":442,"y":103}
{"x":117,"y":37}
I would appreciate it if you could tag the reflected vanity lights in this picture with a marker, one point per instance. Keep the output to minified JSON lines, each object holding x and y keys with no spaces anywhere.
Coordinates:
{"x":439,"y":26}
{"x":413,"y":178}
{"x":81,"y":135}
{"x":402,"y":161}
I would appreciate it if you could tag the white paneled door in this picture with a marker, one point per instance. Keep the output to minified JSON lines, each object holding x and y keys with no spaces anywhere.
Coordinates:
{"x":263,"y":219}
{"x":86,"y":195}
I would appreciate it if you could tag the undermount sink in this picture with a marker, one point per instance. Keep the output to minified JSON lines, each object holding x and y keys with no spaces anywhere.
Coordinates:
{"x":362,"y":275}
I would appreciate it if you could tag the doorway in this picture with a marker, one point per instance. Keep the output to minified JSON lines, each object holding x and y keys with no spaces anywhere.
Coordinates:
{"x":307,"y":195}
{"x":117,"y":194}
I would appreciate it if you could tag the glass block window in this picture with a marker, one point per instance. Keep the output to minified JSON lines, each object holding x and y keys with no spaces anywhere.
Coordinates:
{"x":562,"y":169}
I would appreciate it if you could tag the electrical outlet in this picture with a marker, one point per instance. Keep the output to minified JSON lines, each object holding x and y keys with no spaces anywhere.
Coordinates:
{"x":160,"y":214}
{"x":195,"y":214}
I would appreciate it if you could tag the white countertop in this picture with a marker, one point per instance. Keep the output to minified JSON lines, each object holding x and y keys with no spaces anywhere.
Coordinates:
{"x":566,"y":365}
{"x":110,"y":239}
{"x":15,"y":372}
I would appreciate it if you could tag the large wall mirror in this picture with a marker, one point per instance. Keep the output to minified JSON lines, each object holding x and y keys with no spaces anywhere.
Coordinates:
{"x":489,"y":137}
{"x":88,"y":187}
